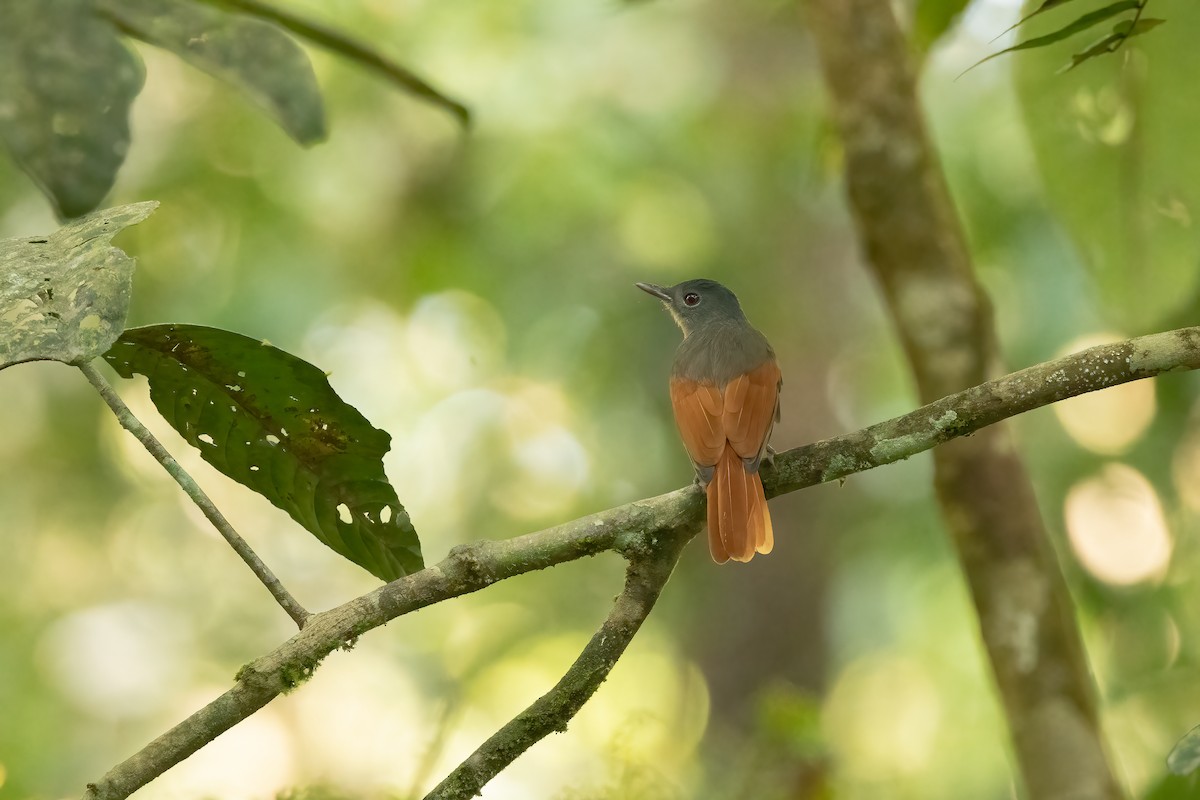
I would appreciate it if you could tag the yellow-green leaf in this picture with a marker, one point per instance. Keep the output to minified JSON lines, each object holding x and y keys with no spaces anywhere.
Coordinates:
{"x":64,"y":296}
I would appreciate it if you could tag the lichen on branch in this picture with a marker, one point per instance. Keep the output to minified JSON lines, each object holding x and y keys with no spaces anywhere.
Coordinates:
{"x":648,"y":532}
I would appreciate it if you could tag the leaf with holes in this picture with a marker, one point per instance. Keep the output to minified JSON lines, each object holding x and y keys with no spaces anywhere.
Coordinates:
{"x":255,"y":56}
{"x":66,"y":86}
{"x":63,"y":296}
{"x":271,"y":422}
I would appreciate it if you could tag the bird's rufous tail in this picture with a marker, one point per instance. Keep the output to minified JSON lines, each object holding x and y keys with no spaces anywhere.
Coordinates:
{"x":739,"y":522}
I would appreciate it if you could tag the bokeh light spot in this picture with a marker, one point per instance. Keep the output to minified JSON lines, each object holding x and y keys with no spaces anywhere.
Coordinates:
{"x":252,"y":760}
{"x":652,"y":708}
{"x":549,"y":469}
{"x":884,"y":714}
{"x":547,"y":465}
{"x":666,"y":223}
{"x":362,"y":724}
{"x":116,"y":661}
{"x":1111,"y":420}
{"x":1116,"y":526}
{"x":1185,"y":469}
{"x":456,"y":339}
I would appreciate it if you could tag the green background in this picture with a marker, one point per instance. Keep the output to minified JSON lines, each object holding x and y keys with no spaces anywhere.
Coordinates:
{"x":471,"y":293}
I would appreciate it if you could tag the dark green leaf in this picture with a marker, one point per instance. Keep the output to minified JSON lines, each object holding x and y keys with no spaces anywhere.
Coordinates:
{"x":1046,"y":6}
{"x":1083,"y":23}
{"x":253,"y":55}
{"x":1125,"y":29}
{"x":64,"y":296}
{"x":337,"y":42}
{"x":66,"y":85}
{"x":1185,"y":757}
{"x":1172,"y":787}
{"x":933,"y":18}
{"x":271,"y":422}
{"x":1128,"y":28}
{"x":1106,"y":45}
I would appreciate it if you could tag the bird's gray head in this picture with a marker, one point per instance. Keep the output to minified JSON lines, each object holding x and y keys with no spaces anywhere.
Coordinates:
{"x":697,"y":303}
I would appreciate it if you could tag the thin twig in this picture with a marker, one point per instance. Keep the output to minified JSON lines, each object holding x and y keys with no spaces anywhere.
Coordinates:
{"x":193,"y":490}
{"x":344,"y":45}
{"x":637,"y":528}
{"x":1137,"y":17}
{"x":644,"y":581}
{"x":641,"y":528}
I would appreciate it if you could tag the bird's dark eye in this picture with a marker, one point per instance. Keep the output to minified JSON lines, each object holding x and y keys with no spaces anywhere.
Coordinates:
{"x":691,"y":299}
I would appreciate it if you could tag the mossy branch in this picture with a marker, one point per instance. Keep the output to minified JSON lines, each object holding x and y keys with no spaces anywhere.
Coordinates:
{"x":649,"y":533}
{"x":644,"y":581}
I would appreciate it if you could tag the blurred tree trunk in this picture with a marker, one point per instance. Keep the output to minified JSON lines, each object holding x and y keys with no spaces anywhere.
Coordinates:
{"x":916,"y":249}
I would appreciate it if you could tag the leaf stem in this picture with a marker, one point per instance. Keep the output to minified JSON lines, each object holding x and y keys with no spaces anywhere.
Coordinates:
{"x":344,"y":45}
{"x":132,"y":424}
{"x":1137,"y":16}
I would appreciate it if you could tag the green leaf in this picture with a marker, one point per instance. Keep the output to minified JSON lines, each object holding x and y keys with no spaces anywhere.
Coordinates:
{"x":1106,"y":45}
{"x":63,"y":296}
{"x":1172,"y":787}
{"x":1083,"y":23}
{"x":66,"y":85}
{"x":1044,"y":7}
{"x":933,"y":18}
{"x":1125,"y":29}
{"x":255,"y":56}
{"x":1185,"y":757}
{"x":1128,"y":28}
{"x":271,"y":422}
{"x":1118,"y":168}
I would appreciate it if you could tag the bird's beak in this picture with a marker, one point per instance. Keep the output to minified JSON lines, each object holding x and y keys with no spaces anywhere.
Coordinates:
{"x":654,"y":289}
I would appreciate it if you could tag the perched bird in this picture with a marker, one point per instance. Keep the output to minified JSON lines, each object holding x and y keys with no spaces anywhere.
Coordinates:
{"x":725,"y":393}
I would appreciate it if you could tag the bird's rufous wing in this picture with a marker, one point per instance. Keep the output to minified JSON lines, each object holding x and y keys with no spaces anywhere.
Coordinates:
{"x":751,"y":402}
{"x":699,"y":410}
{"x":722,"y":430}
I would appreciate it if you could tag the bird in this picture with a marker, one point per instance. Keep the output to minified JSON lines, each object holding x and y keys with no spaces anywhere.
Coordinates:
{"x":724,"y":388}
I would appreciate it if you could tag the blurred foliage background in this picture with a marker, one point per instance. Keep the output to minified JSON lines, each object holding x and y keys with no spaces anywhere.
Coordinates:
{"x":472,"y":295}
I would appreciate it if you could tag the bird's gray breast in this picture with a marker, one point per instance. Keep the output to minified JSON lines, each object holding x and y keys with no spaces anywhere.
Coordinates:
{"x":720,"y":353}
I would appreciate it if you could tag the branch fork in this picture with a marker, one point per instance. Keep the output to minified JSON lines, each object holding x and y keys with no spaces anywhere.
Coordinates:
{"x":650,"y":534}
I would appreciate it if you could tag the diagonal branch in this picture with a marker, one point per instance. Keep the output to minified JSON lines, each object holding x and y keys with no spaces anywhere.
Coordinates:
{"x":645,"y":529}
{"x":140,"y":432}
{"x":968,"y":411}
{"x":644,"y":580}
{"x":637,"y":529}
